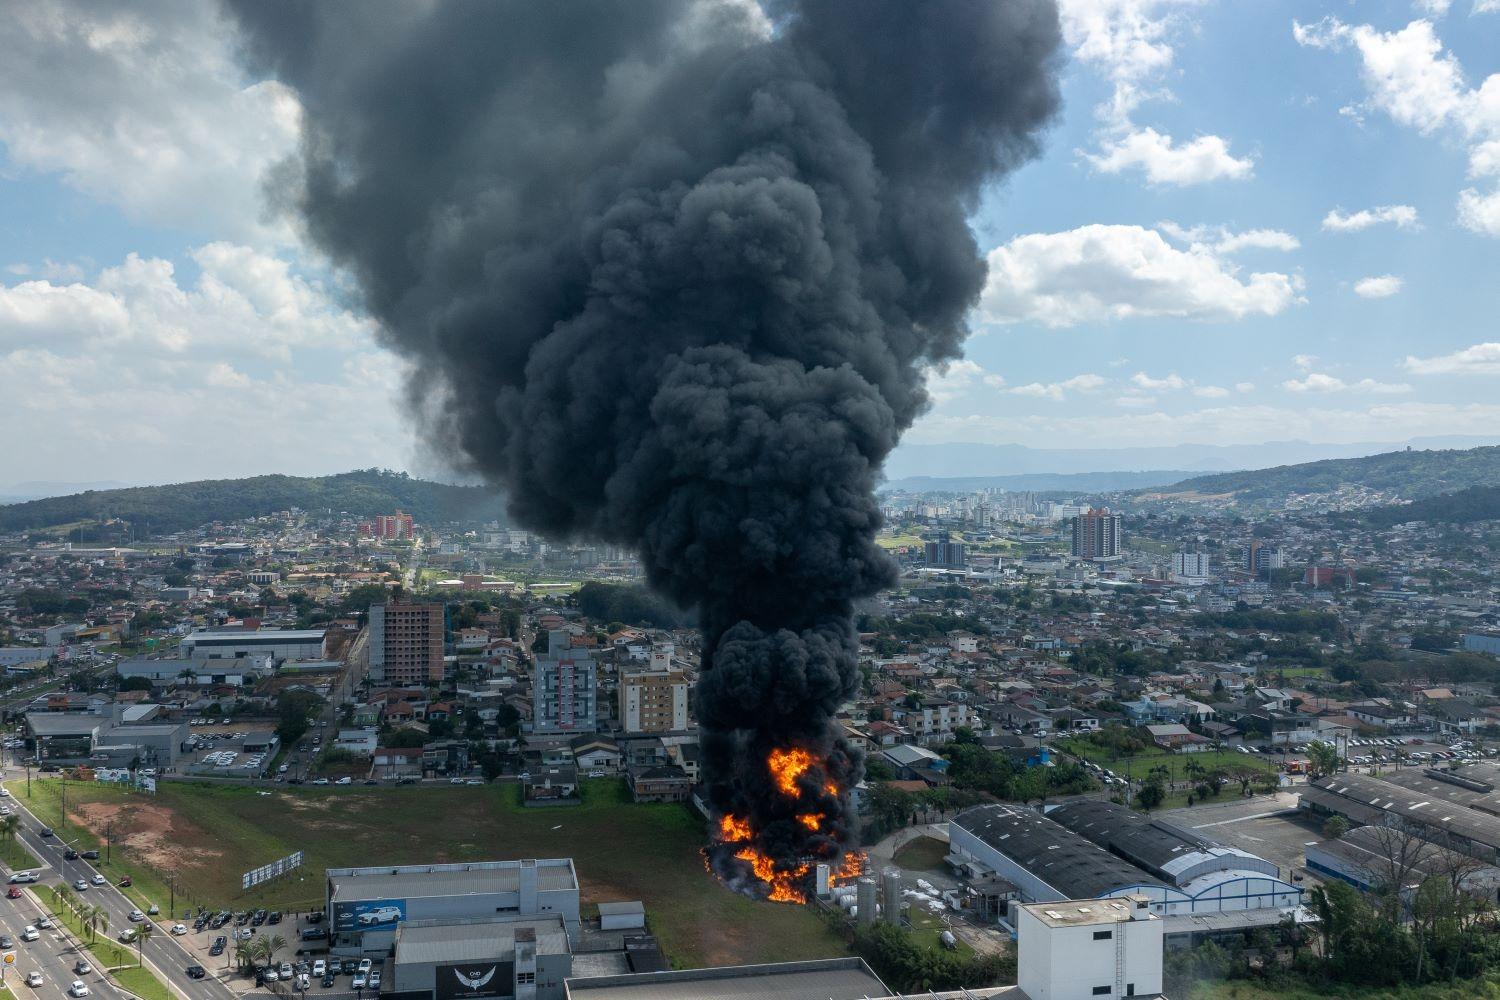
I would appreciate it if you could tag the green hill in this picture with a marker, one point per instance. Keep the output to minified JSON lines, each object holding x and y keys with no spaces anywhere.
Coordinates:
{"x":158,"y":510}
{"x":1411,"y":475}
{"x":1477,"y":503}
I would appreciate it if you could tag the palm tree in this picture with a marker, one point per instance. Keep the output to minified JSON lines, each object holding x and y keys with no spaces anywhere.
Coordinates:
{"x":244,"y":955}
{"x":95,"y":919}
{"x":274,"y":943}
{"x":8,"y":827}
{"x":142,"y":935}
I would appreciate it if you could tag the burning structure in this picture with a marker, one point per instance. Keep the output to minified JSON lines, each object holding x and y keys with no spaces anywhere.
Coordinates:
{"x":672,"y":274}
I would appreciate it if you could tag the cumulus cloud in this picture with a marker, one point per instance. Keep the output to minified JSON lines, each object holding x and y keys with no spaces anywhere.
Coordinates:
{"x":1059,"y":390}
{"x":1173,"y":381}
{"x":948,"y":382}
{"x":1210,"y":391}
{"x":1244,"y":387}
{"x":1485,"y":7}
{"x":1165,"y":161}
{"x":1411,"y":78}
{"x":144,"y":107}
{"x":1320,"y":382}
{"x":1129,"y":42}
{"x":1098,"y":273}
{"x":1400,"y":216}
{"x":1220,"y":240}
{"x":1381,"y":286}
{"x":1433,"y":8}
{"x":1481,"y":359}
{"x":1305,"y":361}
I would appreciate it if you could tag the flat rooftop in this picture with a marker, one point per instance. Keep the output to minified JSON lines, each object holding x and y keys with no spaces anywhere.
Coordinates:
{"x":1081,"y":912}
{"x":416,"y":881}
{"x":420,"y":942}
{"x":62,"y":723}
{"x":825,"y":979}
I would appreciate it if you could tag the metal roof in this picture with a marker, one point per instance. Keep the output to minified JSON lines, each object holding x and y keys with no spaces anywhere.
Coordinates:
{"x":62,"y":723}
{"x":1424,"y":781}
{"x":417,"y":881}
{"x":421,"y":942}
{"x":1072,"y":865}
{"x":1371,"y":800}
{"x":826,"y":979}
{"x":1165,"y":850}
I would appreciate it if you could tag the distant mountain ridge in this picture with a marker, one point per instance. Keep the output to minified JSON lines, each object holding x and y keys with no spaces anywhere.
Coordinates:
{"x":1040,"y":482}
{"x":1409,"y":474}
{"x":155,"y":510}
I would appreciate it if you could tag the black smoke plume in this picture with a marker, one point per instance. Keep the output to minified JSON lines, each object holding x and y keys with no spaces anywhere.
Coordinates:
{"x":670,"y":273}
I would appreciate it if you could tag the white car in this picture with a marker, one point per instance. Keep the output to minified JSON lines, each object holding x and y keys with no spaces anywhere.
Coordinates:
{"x":285,"y":970}
{"x":179,"y":929}
{"x":365,"y":965}
{"x":271,"y":975}
{"x":20,"y":878}
{"x":78,"y":989}
{"x":44,"y":921}
{"x":33,"y":979}
{"x":80,"y":885}
{"x":359,"y":981}
{"x":345,"y":780}
{"x":30,"y":933}
{"x":319,"y":967}
{"x":136,"y":916}
{"x":373,"y":979}
{"x":320,"y":781}
{"x":99,"y":880}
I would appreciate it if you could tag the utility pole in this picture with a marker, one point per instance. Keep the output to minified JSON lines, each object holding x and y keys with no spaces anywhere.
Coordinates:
{"x":109,"y":829}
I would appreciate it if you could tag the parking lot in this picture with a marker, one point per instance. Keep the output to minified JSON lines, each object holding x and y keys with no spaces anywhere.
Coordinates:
{"x":213,"y":936}
{"x":1266,"y":825}
{"x":240,"y":751}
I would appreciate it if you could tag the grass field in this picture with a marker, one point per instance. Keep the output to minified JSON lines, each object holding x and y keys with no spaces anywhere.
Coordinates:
{"x":1139,"y":766}
{"x":15,"y":855}
{"x":207,"y":835}
{"x":1239,"y":989}
{"x":924,"y":854}
{"x":898,"y":541}
{"x":927,"y":928}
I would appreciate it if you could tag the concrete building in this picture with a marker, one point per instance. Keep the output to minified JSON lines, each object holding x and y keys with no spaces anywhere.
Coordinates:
{"x":653,"y":701}
{"x":1458,"y":811}
{"x":1080,"y":949}
{"x":11,"y":656}
{"x":406,"y":644}
{"x":280,"y":644}
{"x":1096,"y":535}
{"x":484,"y":958}
{"x":366,"y":905}
{"x":112,"y":739}
{"x":944,"y":553}
{"x":823,"y":979}
{"x":1261,"y":557}
{"x":1370,"y":858}
{"x":1190,"y":567}
{"x":565,"y":688}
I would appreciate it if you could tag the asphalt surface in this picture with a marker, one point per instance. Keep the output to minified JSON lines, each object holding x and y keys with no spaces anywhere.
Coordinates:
{"x":52,"y":954}
{"x":163,"y":954}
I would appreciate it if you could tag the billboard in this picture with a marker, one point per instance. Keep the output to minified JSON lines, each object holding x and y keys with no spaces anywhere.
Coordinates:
{"x":474,"y":981}
{"x":368,"y":915}
{"x":265,"y":873}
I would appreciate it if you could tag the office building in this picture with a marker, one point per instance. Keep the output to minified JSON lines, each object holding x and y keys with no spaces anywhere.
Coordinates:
{"x":565,"y":689}
{"x":1096,"y":535}
{"x":1189,"y":565}
{"x":491,"y":958}
{"x":280,"y":644}
{"x":365,"y":906}
{"x":406,"y":644}
{"x":944,"y":553}
{"x":653,"y":701}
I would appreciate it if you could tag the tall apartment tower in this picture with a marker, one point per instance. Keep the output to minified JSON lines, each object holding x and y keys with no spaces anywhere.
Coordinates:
{"x":1260,"y":557}
{"x":944,"y":553}
{"x":654,"y":700}
{"x":406,"y":644}
{"x":1096,"y":535}
{"x":1190,"y":565}
{"x":565,"y":690}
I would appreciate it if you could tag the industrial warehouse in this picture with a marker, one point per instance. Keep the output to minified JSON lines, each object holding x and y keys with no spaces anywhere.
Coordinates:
{"x":1095,"y":850}
{"x":1458,"y":810}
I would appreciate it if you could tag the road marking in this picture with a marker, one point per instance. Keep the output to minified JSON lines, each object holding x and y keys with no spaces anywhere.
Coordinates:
{"x":1242,"y":819}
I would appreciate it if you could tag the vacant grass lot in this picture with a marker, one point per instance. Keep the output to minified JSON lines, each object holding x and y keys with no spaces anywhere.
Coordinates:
{"x":1140,"y":765}
{"x":207,"y":835}
{"x":923,"y":854}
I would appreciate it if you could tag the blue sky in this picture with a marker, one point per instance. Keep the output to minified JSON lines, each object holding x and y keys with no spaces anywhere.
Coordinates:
{"x":1253,"y":221}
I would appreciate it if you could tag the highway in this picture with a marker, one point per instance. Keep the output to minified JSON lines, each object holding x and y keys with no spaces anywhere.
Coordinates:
{"x":53,"y":955}
{"x":163,"y":953}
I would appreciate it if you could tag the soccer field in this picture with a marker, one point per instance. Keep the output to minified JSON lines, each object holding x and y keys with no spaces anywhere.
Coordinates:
{"x":205,"y":836}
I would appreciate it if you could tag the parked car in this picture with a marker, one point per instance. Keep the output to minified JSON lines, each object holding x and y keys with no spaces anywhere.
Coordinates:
{"x":90,"y":855}
{"x":268,"y":975}
{"x":328,"y":980}
{"x":365,"y":965}
{"x":373,"y":979}
{"x":359,"y":981}
{"x":345,"y":780}
{"x":314,"y":933}
{"x":274,"y":917}
{"x":179,"y":929}
{"x":319,"y":968}
{"x":220,"y":943}
{"x":285,"y":969}
{"x":348,"y":967}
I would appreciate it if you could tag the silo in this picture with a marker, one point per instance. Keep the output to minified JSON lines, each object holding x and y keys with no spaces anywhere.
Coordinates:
{"x":867,"y":909}
{"x":890,"y":896}
{"x":822,"y":881}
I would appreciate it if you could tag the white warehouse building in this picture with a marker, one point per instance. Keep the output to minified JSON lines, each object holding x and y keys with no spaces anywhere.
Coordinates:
{"x":281,"y":644}
{"x":1081,"y":949}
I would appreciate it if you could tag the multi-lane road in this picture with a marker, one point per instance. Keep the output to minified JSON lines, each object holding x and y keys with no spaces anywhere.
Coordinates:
{"x":53,"y":955}
{"x":163,"y":954}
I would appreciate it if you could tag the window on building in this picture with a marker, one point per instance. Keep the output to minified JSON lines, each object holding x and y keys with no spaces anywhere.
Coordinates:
{"x":525,"y":978}
{"x":1101,"y":991}
{"x":1103,"y":935}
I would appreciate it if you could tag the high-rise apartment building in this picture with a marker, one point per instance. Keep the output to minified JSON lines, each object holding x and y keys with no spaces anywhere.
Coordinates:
{"x":655,"y":699}
{"x":944,"y":553}
{"x":406,"y":644}
{"x":564,"y":693}
{"x":1260,"y":557}
{"x":1096,"y":535}
{"x":1190,"y":565}
{"x":388,"y":527}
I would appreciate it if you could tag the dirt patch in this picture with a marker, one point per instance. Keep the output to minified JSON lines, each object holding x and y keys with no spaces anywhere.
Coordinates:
{"x":156,"y":835}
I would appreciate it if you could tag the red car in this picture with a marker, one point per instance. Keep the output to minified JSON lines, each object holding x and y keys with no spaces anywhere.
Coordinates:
{"x":125,"y":882}
{"x":14,"y":892}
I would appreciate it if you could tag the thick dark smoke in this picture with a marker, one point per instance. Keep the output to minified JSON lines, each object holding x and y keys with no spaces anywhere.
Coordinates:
{"x":670,"y":272}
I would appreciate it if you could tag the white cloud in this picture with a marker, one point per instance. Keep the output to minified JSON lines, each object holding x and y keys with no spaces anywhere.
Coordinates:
{"x":1129,"y":42}
{"x":1088,"y":382}
{"x":1220,"y":240}
{"x":1401,"y":216}
{"x":1210,"y":391}
{"x":1244,"y":387}
{"x":1411,"y":78}
{"x":1434,"y":8}
{"x":947,"y":382}
{"x":145,"y":109}
{"x":1305,"y":361}
{"x":1319,"y":382}
{"x":1378,"y":287}
{"x":1481,"y":359}
{"x":1165,"y":161}
{"x":1098,"y":273}
{"x":1173,"y":381}
{"x":1485,"y":7}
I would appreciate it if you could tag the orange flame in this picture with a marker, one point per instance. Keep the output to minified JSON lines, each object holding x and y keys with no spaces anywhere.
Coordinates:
{"x":783,"y":885}
{"x":811,"y":820}
{"x":787,"y":766}
{"x":733,"y":829}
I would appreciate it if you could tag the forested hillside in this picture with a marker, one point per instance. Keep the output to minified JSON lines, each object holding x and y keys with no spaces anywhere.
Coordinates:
{"x":1409,"y":474}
